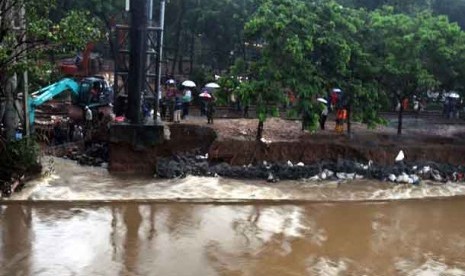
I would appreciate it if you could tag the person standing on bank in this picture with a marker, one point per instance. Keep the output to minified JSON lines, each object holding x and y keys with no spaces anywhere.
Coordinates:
{"x":171,"y":93}
{"x":177,"y":109}
{"x":210,"y":109}
{"x":88,"y":130}
{"x":186,"y":101}
{"x":324,"y":113}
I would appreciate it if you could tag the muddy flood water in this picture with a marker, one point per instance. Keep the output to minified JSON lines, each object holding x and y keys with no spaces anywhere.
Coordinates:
{"x":82,"y":221}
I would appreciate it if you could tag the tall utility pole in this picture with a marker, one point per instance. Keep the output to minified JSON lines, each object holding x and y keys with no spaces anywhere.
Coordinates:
{"x":137,"y":66}
{"x":143,"y":138}
{"x":137,"y":59}
{"x":159,"y":57}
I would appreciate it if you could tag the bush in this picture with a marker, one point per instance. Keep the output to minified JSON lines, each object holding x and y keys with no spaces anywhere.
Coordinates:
{"x":18,"y":155}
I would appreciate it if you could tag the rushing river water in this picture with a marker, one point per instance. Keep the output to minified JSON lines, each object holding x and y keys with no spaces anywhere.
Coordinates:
{"x":82,"y":221}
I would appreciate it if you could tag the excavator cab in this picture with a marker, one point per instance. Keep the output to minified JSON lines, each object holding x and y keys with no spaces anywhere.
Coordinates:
{"x":94,"y":91}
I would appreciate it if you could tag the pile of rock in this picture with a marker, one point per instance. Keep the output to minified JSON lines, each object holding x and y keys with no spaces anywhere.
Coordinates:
{"x":95,"y":155}
{"x":182,"y":165}
{"x":400,"y":172}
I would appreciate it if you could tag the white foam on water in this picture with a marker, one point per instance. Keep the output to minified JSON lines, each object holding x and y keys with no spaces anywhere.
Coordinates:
{"x":326,"y":267}
{"x":430,"y":267}
{"x":71,"y":182}
{"x":426,"y":190}
{"x":288,"y":223}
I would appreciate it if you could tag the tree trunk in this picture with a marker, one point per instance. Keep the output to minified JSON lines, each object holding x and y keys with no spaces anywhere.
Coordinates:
{"x":178,"y":37}
{"x":399,"y":123}
{"x":260,"y":131}
{"x":192,"y":48}
{"x":181,"y":65}
{"x":2,"y":109}
{"x":10,"y":118}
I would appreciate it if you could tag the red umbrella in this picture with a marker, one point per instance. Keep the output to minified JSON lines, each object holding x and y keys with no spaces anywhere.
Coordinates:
{"x":205,"y":95}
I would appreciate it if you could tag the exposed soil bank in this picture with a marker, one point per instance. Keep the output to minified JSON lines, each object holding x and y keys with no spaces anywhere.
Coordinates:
{"x":319,"y":156}
{"x":381,"y":149}
{"x":182,"y":138}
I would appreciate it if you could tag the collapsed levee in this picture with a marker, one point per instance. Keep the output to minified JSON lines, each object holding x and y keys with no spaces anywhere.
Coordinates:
{"x":136,"y":149}
{"x":128,"y":156}
{"x":132,"y":147}
{"x":241,"y":152}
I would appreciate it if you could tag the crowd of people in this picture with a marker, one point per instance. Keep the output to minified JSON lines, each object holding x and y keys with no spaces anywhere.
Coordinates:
{"x":333,"y":101}
{"x":452,"y":105}
{"x":175,"y":103}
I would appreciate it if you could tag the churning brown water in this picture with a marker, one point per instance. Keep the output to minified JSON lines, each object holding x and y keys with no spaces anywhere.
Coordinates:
{"x":105,"y":236}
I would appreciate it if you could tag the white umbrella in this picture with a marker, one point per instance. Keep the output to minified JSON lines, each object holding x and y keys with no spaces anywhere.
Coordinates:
{"x":212,"y":85}
{"x":321,"y":100}
{"x":188,"y":83}
{"x":170,"y":81}
{"x":205,"y":95}
{"x":454,"y":95}
{"x":337,"y":90}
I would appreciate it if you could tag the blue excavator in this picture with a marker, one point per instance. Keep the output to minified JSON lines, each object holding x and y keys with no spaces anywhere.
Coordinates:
{"x":91,"y":92}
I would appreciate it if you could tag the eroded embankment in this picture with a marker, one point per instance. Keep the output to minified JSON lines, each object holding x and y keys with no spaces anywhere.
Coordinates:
{"x":380,"y":148}
{"x":313,"y":156}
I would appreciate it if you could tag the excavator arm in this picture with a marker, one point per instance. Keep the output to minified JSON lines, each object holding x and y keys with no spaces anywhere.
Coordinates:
{"x":47,"y":93}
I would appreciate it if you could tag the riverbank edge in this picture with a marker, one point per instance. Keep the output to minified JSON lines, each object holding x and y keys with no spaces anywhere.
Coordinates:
{"x":205,"y":151}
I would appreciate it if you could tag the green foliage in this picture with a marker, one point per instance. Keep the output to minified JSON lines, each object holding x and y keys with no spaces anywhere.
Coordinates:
{"x":228,"y":85}
{"x":309,"y":46}
{"x":75,"y":30}
{"x":23,"y":153}
{"x":43,"y":36}
{"x":285,"y":36}
{"x":30,"y":41}
{"x":417,"y":52}
{"x":306,"y":48}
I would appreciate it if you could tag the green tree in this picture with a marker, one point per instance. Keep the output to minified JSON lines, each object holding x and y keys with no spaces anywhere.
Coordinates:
{"x":284,"y":32}
{"x":443,"y":51}
{"x":107,"y":13}
{"x":417,"y":52}
{"x":343,"y":57}
{"x":309,"y":47}
{"x":26,"y":35}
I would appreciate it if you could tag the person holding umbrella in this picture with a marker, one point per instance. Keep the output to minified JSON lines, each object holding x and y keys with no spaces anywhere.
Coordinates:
{"x":171,"y":93}
{"x":203,"y":103}
{"x":186,"y":97}
{"x":208,"y":108}
{"x":210,"y":101}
